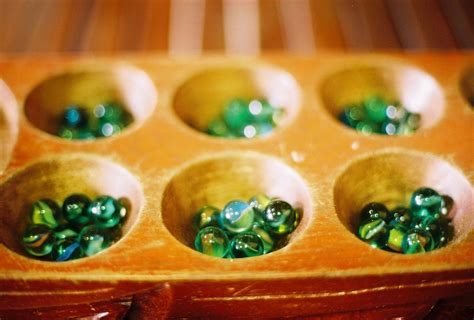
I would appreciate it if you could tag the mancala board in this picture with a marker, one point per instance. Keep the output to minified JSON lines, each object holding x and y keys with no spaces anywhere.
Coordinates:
{"x":168,"y":168}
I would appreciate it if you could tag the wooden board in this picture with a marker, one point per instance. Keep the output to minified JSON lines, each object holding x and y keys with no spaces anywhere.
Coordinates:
{"x":169,"y":169}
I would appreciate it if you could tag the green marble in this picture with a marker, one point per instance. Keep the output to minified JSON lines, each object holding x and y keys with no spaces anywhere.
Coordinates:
{"x":106,"y":212}
{"x":373,"y":211}
{"x":45,"y":211}
{"x":366,"y":128}
{"x":207,"y":216}
{"x":352,"y":115}
{"x":259,"y":202}
{"x":400,"y":216}
{"x":375,"y":109}
{"x":75,"y":209}
{"x":246,"y":244}
{"x":280,"y":217}
{"x":113,"y":113}
{"x":237,"y":114}
{"x":395,"y":238}
{"x":67,"y":249}
{"x":212,"y":241}
{"x":266,"y":238}
{"x":426,"y":202}
{"x":108,"y":129}
{"x":38,"y":240}
{"x":237,"y":216}
{"x":65,"y":231}
{"x":417,"y":241}
{"x":375,"y":232}
{"x":94,"y":239}
{"x":217,"y":127}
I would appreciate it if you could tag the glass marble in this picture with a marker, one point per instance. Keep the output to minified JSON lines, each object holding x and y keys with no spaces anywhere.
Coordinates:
{"x":218,"y":127}
{"x":237,"y":114}
{"x":245,"y":245}
{"x":112,"y":112}
{"x":45,"y":211}
{"x":38,"y":240}
{"x":426,"y":201}
{"x":259,"y":202}
{"x":352,"y":115}
{"x":375,"y":232}
{"x":65,"y":231}
{"x":74,"y":117}
{"x":280,"y":217}
{"x":207,"y":216}
{"x":395,"y":238}
{"x":106,"y":212}
{"x":400,"y":216}
{"x":417,"y":241}
{"x":212,"y":241}
{"x":374,"y":211}
{"x":75,"y":209}
{"x":237,"y":216}
{"x":266,"y":238}
{"x":93,"y":239}
{"x":67,"y":249}
{"x":375,"y":109}
{"x":448,"y":206}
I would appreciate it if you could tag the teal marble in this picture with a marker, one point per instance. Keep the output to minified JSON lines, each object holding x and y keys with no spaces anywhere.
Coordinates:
{"x":400,"y":216}
{"x":267,"y":240}
{"x":417,"y":241}
{"x":74,"y":117}
{"x":395,"y":238}
{"x":207,"y":216}
{"x":374,"y":232}
{"x":237,"y":216}
{"x":374,"y":211}
{"x":212,"y":241}
{"x":280,"y":217}
{"x":106,"y":212}
{"x":94,"y":239}
{"x":426,"y":202}
{"x":67,"y":249}
{"x":45,"y":211}
{"x":245,"y":245}
{"x":74,"y":209}
{"x":38,"y":240}
{"x":390,"y":128}
{"x":65,"y":231}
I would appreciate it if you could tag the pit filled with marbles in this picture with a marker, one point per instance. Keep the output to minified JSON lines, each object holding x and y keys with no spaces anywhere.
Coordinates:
{"x":81,"y":227}
{"x":244,"y":229}
{"x":244,"y":118}
{"x":376,"y":115}
{"x":104,"y":120}
{"x":422,"y":227}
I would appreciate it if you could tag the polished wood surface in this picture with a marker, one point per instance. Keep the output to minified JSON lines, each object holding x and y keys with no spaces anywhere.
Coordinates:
{"x":324,"y":270}
{"x":233,"y":26}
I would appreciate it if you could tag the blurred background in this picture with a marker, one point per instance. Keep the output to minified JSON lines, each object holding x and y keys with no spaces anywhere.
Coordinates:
{"x":233,"y":26}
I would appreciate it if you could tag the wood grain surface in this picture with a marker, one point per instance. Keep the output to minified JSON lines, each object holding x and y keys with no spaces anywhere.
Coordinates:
{"x":233,"y":26}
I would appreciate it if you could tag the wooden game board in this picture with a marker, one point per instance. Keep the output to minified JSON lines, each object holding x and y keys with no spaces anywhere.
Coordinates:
{"x":168,"y":169}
